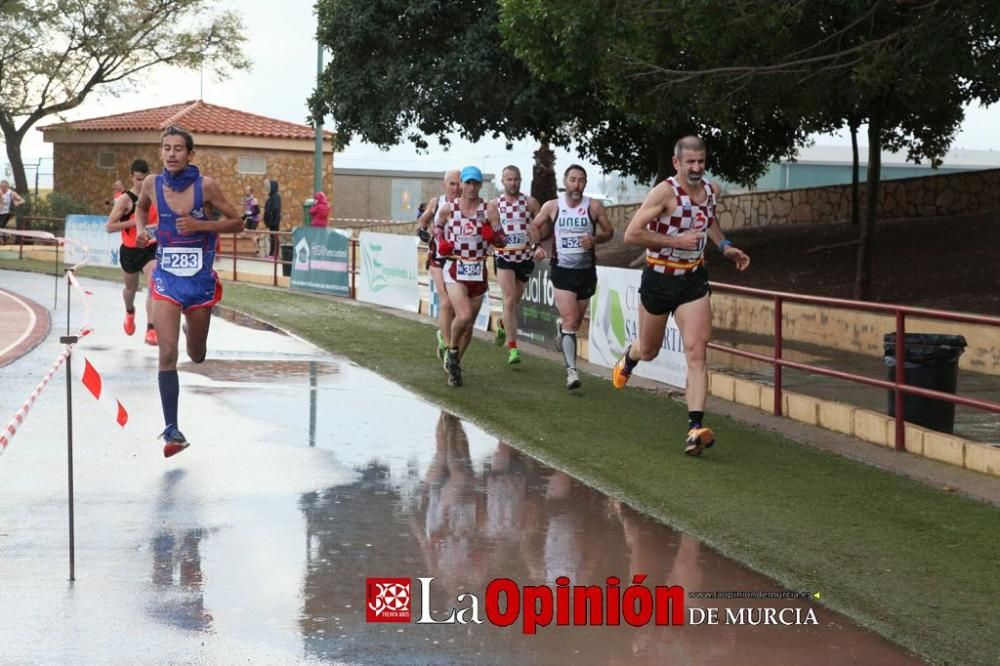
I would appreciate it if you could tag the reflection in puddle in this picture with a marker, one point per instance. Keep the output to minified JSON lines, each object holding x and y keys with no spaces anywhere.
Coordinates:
{"x":244,"y":320}
{"x":177,"y":575}
{"x":250,"y":370}
{"x":466,"y":522}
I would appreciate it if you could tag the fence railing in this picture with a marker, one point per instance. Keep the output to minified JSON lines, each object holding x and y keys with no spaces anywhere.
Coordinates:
{"x":900,"y":312}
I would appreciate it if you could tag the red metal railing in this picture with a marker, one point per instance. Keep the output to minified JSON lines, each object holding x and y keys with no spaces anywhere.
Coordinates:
{"x":899,"y":311}
{"x":279,"y":261}
{"x":275,"y":260}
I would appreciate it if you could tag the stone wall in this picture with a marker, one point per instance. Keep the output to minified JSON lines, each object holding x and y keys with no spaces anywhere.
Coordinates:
{"x":369,"y":197}
{"x":77,"y":174}
{"x":927,"y":196}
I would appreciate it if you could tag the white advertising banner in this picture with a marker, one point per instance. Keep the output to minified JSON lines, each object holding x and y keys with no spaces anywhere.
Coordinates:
{"x":389,"y":270}
{"x":88,"y":230}
{"x":614,"y":324}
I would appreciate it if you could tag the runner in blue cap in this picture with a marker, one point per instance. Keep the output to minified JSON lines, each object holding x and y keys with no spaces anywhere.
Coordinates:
{"x":464,"y":239}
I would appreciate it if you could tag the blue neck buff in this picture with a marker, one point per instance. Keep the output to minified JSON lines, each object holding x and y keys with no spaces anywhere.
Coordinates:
{"x":183,"y":179}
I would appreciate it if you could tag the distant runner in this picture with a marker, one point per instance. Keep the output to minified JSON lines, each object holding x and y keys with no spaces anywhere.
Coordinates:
{"x":512,"y":211}
{"x":134,"y":260}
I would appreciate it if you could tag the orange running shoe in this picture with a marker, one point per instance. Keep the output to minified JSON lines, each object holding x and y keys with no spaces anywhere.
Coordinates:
{"x":698,"y":440}
{"x":129,"y":323}
{"x":151,"y":338}
{"x":619,"y":374}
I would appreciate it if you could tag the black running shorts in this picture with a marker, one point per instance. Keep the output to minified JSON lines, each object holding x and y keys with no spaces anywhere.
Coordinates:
{"x":581,"y":281}
{"x":134,"y":259}
{"x":662,"y":294}
{"x":522,"y":269}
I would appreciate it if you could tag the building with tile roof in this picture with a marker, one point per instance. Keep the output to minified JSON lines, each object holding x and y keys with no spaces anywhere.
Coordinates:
{"x":236,"y":148}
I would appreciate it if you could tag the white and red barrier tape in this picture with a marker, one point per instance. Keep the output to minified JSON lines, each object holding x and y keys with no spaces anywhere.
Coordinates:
{"x":10,"y":429}
{"x":91,"y":378}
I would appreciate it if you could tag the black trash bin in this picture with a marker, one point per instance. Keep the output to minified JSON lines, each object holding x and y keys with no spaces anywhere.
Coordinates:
{"x":286,"y":260}
{"x":931,"y":362}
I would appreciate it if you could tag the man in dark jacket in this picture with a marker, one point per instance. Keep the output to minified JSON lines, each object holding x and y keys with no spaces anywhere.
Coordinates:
{"x":272,"y":215}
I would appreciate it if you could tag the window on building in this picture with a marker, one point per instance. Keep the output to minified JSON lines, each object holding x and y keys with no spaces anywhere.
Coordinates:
{"x":106,"y":159}
{"x":254,"y":166}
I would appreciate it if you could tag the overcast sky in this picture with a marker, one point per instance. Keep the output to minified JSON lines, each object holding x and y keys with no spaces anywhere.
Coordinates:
{"x":283,"y":50}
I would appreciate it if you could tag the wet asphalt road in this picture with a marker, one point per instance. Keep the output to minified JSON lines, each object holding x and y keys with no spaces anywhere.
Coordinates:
{"x":306,"y":475}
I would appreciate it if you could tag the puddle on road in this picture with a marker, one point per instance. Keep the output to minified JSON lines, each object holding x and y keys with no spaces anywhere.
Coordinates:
{"x":468,"y":519}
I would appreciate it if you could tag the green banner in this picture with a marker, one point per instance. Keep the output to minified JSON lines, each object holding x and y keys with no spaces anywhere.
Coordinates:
{"x":320,"y":261}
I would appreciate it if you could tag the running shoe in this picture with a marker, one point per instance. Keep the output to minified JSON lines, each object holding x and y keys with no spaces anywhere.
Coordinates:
{"x":698,"y":440}
{"x":514,"y":357}
{"x":441,"y":346}
{"x":619,"y":373}
{"x":572,"y":379}
{"x":501,"y":334}
{"x":454,"y":371}
{"x":151,"y":338}
{"x":174,"y":441}
{"x":129,"y":323}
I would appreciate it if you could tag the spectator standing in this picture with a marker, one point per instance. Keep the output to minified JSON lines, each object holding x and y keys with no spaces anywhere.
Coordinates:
{"x":272,"y":215}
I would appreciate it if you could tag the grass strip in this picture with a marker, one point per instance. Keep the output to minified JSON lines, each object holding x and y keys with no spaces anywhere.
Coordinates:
{"x":914,"y":563}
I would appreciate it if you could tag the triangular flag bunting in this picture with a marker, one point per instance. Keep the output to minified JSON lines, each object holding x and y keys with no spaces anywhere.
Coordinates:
{"x":92,"y":379}
{"x":122,"y":414}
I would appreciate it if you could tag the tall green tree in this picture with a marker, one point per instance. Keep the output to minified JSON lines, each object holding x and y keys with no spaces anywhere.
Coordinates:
{"x":905,"y":67}
{"x":407,"y":70}
{"x":54,"y":54}
{"x":599,"y":45}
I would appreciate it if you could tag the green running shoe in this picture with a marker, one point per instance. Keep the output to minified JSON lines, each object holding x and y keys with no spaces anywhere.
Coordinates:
{"x":441,"y":346}
{"x":501,"y":334}
{"x":515,"y":356}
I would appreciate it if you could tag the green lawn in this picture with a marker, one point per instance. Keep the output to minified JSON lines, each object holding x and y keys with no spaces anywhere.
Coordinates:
{"x":918,"y":565}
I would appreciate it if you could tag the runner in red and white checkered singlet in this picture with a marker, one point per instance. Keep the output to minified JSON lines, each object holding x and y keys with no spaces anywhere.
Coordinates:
{"x":465,"y":240}
{"x":686,"y":215}
{"x":514,"y":263}
{"x":673,"y":224}
{"x":427,"y":229}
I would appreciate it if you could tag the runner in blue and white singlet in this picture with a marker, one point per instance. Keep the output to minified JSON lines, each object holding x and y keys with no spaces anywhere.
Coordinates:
{"x":193,"y":211}
{"x":185,"y":273}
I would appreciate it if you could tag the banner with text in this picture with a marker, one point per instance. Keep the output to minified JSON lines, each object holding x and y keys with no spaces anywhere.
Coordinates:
{"x":538,"y":316}
{"x":614,"y":324}
{"x":89,"y":230}
{"x":389,"y":270}
{"x":320,"y":261}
